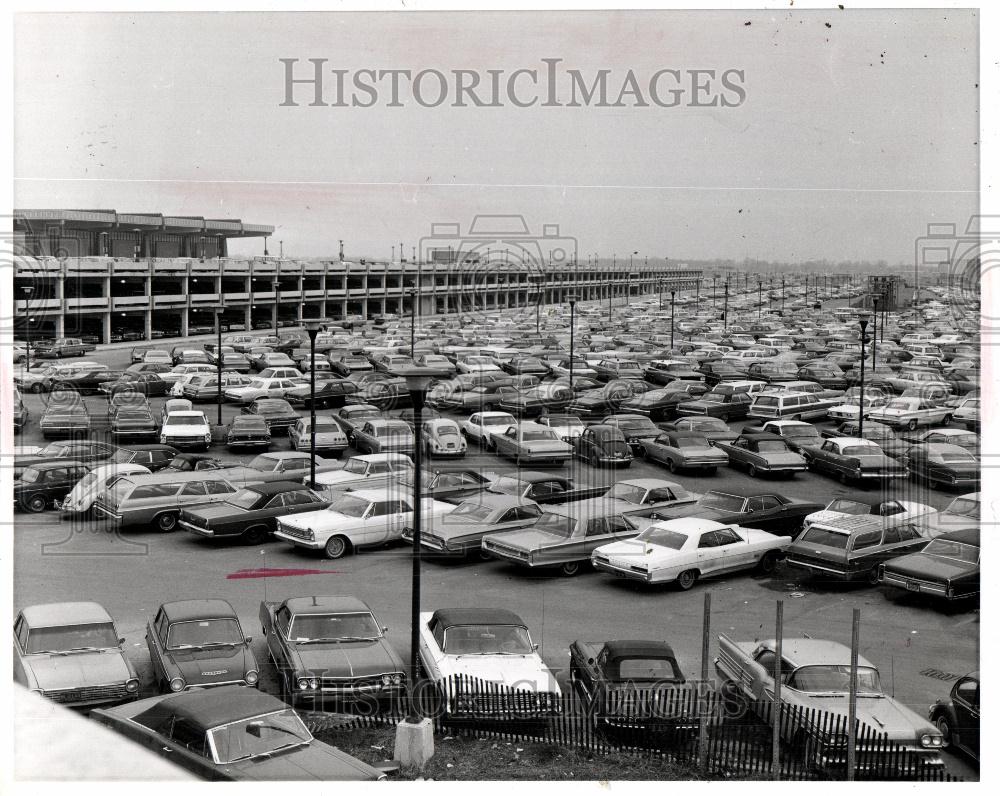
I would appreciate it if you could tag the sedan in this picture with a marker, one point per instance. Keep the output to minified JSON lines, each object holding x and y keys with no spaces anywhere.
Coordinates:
{"x":681,"y":450}
{"x":148,"y":384}
{"x":941,"y":464}
{"x":713,"y":428}
{"x":762,"y":453}
{"x":134,"y":423}
{"x":248,"y":431}
{"x":461,"y":532}
{"x":277,"y":412}
{"x":530,"y":443}
{"x":330,"y":394}
{"x":330,"y":438}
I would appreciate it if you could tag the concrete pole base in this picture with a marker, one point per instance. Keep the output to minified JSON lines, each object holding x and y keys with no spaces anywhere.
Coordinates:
{"x":414,"y":743}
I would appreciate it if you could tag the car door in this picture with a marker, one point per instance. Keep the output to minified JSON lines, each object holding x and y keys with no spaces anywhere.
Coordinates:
{"x":155,"y":634}
{"x":707,"y":554}
{"x":732,"y":551}
{"x":965,"y":698}
{"x":768,"y":513}
{"x":374,"y":526}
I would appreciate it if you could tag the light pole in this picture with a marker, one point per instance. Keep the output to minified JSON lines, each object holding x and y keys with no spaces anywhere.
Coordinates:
{"x":874,"y":330}
{"x":782,"y":295}
{"x":672,"y":293}
{"x":572,"y":331}
{"x":760,"y":300}
{"x":219,"y":312}
{"x":311,"y":325}
{"x":725,"y":308}
{"x":661,"y":292}
{"x":413,"y":320}
{"x":276,"y":284}
{"x":863,"y":322}
{"x":714,"y":296}
{"x":418,"y":380}
{"x":28,"y":290}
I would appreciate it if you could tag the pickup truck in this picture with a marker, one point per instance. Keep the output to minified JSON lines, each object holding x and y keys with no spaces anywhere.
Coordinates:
{"x":331,"y":649}
{"x":543,"y":488}
{"x":61,"y":347}
{"x":609,"y":676}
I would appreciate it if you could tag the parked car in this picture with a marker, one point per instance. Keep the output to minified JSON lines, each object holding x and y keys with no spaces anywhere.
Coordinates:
{"x":295,"y":464}
{"x":767,"y":511}
{"x":233,"y":733}
{"x":263,"y":387}
{"x":59,"y":348}
{"x":85,"y":381}
{"x":147,"y":384}
{"x":199,"y":644}
{"x":154,"y":457}
{"x":684,"y":550}
{"x":854,"y":460}
{"x":353,"y":417}
{"x":460,"y":532}
{"x":910,"y":413}
{"x":685,"y":451}
{"x":851,"y":548}
{"x":542,"y":487}
{"x":186,"y":430}
{"x":332,"y":393}
{"x":714,"y":429}
{"x":81,"y":498}
{"x":611,"y":369}
{"x":247,"y":431}
{"x":205,"y":386}
{"x":839,"y":508}
{"x":948,"y":436}
{"x":565,"y":426}
{"x":659,"y":405}
{"x":330,"y":437}
{"x":947,"y":567}
{"x":491,"y":645}
{"x":192,"y":462}
{"x":81,"y":450}
{"x":72,"y":654}
{"x":799,"y":435}
{"x":878,"y":433}
{"x":602,"y":446}
{"x":531,"y":444}
{"x":957,"y":718}
{"x":442,"y":437}
{"x":364,"y":472}
{"x":277,"y":413}
{"x":940,"y":464}
{"x":356,"y":520}
{"x":816,"y":676}
{"x":64,"y":419}
{"x":480,"y":426}
{"x":723,"y":405}
{"x":762,"y":453}
{"x":41,"y":485}
{"x":384,"y":435}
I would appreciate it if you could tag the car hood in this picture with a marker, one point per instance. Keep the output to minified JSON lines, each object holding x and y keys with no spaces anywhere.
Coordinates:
{"x":313,"y":762}
{"x":53,"y":672}
{"x":881,"y":713}
{"x":520,"y":672}
{"x":212,"y":665}
{"x":450,"y":531}
{"x":351,"y":659}
{"x":690,"y":510}
{"x":921,"y":565}
{"x":545,"y":446}
{"x":211,"y":511}
{"x":789,"y":457}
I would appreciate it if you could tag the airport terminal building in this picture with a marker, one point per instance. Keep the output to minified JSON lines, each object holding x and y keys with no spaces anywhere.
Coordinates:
{"x":114,"y":277}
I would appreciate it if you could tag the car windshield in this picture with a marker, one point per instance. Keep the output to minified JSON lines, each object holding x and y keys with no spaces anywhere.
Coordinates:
{"x":771,"y":446}
{"x":555,"y":524}
{"x":508,"y":486}
{"x":98,"y":635}
{"x":663,"y":537}
{"x":356,"y":466}
{"x":836,"y":679}
{"x":54,"y":449}
{"x":499,"y":420}
{"x":800,"y":431}
{"x":204,"y":633}
{"x":349,"y":506}
{"x":721,"y":501}
{"x":648,"y":669}
{"x":30,"y":475}
{"x":334,"y":627}
{"x":531,"y":435}
{"x":244,"y":422}
{"x":898,"y":405}
{"x":861,"y":450}
{"x":947,"y":548}
{"x":244,"y":499}
{"x":967,"y":507}
{"x":844,"y":506}
{"x":487,"y":640}
{"x":185,"y":420}
{"x":627,"y":492}
{"x":825,"y":537}
{"x":259,"y":735}
{"x":326,"y":426}
{"x":262,"y":462}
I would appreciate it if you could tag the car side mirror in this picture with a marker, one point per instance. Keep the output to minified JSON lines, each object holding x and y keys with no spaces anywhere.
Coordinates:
{"x":248,"y":640}
{"x":590,"y":661}
{"x":385,"y":628}
{"x":121,"y":641}
{"x":534,"y":648}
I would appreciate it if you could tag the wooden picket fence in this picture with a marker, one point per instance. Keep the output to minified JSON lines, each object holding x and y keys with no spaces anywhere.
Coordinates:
{"x":662,"y":721}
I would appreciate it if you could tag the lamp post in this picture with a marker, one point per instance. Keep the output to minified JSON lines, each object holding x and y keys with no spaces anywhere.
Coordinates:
{"x":219,"y":312}
{"x":725,"y":308}
{"x":276,"y":284}
{"x":782,"y":295}
{"x":412,"y":293}
{"x":714,"y":296}
{"x":672,"y":293}
{"x":760,"y":300}
{"x":863,"y":322}
{"x":874,"y":330}
{"x":311,"y":325}
{"x":572,"y":331}
{"x":28,"y":290}
{"x":661,"y":292}
{"x":418,"y":380}
{"x":201,"y":249}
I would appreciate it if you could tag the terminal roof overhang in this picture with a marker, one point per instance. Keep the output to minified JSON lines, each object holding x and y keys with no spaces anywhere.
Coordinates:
{"x":39,"y":221}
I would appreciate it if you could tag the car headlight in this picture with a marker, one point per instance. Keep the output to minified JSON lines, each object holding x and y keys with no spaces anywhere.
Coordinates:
{"x":252,"y":677}
{"x":208,"y":437}
{"x":931,"y":741}
{"x":177,"y":684}
{"x":386,"y":679}
{"x":132,"y":685}
{"x":397,"y":679}
{"x":306,"y":683}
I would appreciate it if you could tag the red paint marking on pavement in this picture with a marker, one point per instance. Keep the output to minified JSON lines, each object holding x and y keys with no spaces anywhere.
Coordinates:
{"x":277,"y":573}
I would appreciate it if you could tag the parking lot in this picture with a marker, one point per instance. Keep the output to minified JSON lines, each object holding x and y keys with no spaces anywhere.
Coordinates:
{"x":917,"y":643}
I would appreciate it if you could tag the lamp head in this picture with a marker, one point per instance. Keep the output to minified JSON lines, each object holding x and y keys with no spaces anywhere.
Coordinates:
{"x":312,"y":325}
{"x":571,"y":298}
{"x":418,"y":379}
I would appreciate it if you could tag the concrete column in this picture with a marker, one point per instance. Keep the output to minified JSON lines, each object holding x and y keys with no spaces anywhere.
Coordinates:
{"x":149,"y":324}
{"x":60,"y":325}
{"x":248,"y":317}
{"x":106,"y":322}
{"x":185,"y":318}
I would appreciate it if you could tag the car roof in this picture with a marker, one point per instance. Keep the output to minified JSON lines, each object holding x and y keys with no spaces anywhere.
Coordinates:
{"x":189,"y":610}
{"x":383,"y":457}
{"x":214,"y":707}
{"x":60,"y":614}
{"x":941,"y":447}
{"x":497,"y":500}
{"x":56,"y":464}
{"x":811,"y":651}
{"x":276,"y":487}
{"x":451,"y":617}
{"x":760,"y":435}
{"x":533,"y":476}
{"x":969,"y":536}
{"x":853,"y":441}
{"x":628,"y":648}
{"x":689,"y":525}
{"x":325,"y":603}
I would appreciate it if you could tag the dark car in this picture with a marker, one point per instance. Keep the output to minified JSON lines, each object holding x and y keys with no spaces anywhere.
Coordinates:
{"x":193,"y":462}
{"x":64,"y":419}
{"x":330,"y":394}
{"x":941,"y":464}
{"x":41,"y":484}
{"x":664,"y":372}
{"x":81,"y":450}
{"x":449,"y":486}
{"x":602,"y":446}
{"x":199,"y":644}
{"x":147,"y":384}
{"x":638,"y":430}
{"x":550,"y":397}
{"x":828,"y":376}
{"x":460,"y":533}
{"x":958,"y":718}
{"x":660,"y":405}
{"x":543,"y":488}
{"x":134,"y":423}
{"x":724,"y":405}
{"x":773,"y":372}
{"x":232,"y":733}
{"x":947,"y":567}
{"x":248,"y":431}
{"x":520,"y":365}
{"x":389,"y":394}
{"x":251,"y":515}
{"x":153,"y":457}
{"x":631,"y":685}
{"x":346,"y":364}
{"x":713,"y":428}
{"x":277,"y":413}
{"x":83,"y":382}
{"x":715,"y":372}
{"x":767,"y":511}
{"x":331,"y":650}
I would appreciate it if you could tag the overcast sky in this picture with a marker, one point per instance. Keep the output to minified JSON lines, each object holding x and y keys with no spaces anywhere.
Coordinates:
{"x":857,"y":129}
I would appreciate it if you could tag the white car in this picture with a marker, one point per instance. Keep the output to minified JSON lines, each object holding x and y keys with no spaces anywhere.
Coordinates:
{"x":481,"y":426}
{"x":850,"y":411}
{"x":911,"y":412}
{"x":845,"y":507}
{"x":262,"y":388}
{"x":491,"y":645}
{"x":476,"y":364}
{"x":88,"y":489}
{"x":186,"y":430}
{"x":442,"y":437}
{"x":365,"y":472}
{"x":354,"y":520}
{"x":178,"y":372}
{"x":565,"y":426}
{"x":688,"y":548}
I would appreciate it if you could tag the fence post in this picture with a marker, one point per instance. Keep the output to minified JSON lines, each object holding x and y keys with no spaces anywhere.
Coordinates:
{"x":776,"y":713}
{"x":702,"y":717}
{"x":852,"y":703}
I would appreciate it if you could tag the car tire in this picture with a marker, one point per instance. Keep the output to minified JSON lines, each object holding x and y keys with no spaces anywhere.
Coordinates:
{"x":672,"y":465}
{"x":687,"y":579}
{"x":595,"y":460}
{"x":570,"y":569}
{"x":166,"y":522}
{"x":872,"y":577}
{"x":752,"y":470}
{"x":768,"y":562}
{"x":804,"y":749}
{"x":336,"y":547}
{"x":944,"y":727}
{"x":933,"y":484}
{"x":724,"y":418}
{"x":255,"y":534}
{"x":36,"y":388}
{"x":946,"y":420}
{"x":843,"y":478}
{"x":912,"y":425}
{"x":35,"y":504}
